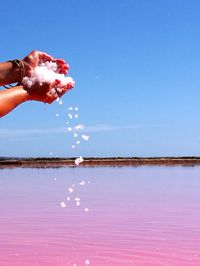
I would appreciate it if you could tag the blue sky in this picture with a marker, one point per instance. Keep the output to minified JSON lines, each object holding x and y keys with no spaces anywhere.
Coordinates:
{"x":136,"y":64}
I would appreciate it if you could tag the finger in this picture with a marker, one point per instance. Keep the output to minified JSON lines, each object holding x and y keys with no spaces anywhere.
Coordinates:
{"x":45,"y":57}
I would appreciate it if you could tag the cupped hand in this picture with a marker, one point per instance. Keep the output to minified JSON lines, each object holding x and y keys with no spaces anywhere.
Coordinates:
{"x":33,"y":59}
{"x":47,"y":93}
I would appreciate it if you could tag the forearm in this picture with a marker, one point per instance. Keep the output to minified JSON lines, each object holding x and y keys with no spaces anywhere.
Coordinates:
{"x":11,"y":98}
{"x":9,"y":73}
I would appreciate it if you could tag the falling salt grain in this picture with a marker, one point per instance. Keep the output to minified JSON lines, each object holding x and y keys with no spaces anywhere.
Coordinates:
{"x":78,"y":142}
{"x":60,"y":102}
{"x":78,"y":203}
{"x":62,"y":204}
{"x":82,"y":183}
{"x":79,"y":127}
{"x":70,"y":189}
{"x":73,"y":146}
{"x":77,"y":199}
{"x":70,"y":116}
{"x":87,"y":262}
{"x":76,"y":116}
{"x":79,"y":160}
{"x":69,"y":129}
{"x":85,"y":137}
{"x":75,"y":135}
{"x":68,"y":198}
{"x":57,"y":115}
{"x":70,"y":108}
{"x":76,"y":108}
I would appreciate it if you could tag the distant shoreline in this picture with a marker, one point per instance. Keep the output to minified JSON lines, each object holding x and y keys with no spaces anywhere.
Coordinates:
{"x":12,"y":162}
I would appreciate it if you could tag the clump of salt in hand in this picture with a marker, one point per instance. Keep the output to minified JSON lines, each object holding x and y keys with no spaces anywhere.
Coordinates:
{"x":47,"y":72}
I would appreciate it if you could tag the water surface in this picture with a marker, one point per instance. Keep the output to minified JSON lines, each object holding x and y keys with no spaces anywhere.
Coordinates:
{"x":137,"y":216}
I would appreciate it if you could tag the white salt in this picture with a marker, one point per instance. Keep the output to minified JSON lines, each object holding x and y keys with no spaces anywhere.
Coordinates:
{"x":78,"y":142}
{"x":82,"y":183}
{"x":78,"y":203}
{"x":76,"y":108}
{"x":68,"y":198}
{"x":73,"y":146}
{"x":70,"y":189}
{"x":47,"y":72}
{"x":79,"y":160}
{"x":77,"y":199}
{"x":70,"y":116}
{"x":75,"y":135}
{"x":85,"y":137}
{"x":62,"y":204}
{"x":79,"y":126}
{"x":70,"y":108}
{"x":76,"y":116}
{"x":60,"y":102}
{"x":69,"y":129}
{"x":87,"y":262}
{"x":57,"y":115}
{"x":86,"y":210}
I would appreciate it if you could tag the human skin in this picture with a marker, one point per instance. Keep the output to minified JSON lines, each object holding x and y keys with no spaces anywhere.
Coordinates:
{"x":10,"y":73}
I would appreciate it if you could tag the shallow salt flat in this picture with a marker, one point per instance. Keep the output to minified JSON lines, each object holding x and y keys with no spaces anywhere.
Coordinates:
{"x":137,"y":216}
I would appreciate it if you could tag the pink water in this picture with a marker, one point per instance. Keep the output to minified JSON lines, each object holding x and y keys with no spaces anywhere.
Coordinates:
{"x":137,"y":216}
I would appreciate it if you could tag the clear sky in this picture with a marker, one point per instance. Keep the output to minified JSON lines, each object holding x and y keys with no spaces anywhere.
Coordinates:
{"x":136,"y":64}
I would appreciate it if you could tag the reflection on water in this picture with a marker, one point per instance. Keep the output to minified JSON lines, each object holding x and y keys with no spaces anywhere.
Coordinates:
{"x":137,"y":216}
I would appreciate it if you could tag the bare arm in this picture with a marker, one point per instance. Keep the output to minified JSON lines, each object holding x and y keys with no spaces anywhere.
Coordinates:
{"x":9,"y":73}
{"x":11,"y":98}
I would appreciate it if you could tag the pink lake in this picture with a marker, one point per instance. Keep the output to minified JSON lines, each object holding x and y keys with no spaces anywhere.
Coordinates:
{"x":136,"y":216}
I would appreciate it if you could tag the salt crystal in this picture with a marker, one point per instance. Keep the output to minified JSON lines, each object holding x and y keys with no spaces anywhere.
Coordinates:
{"x":60,"y":102}
{"x":70,"y":108}
{"x":73,"y":185}
{"x":86,"y":209}
{"x":57,"y":115}
{"x":76,"y":108}
{"x":76,"y":116}
{"x":79,"y":160}
{"x":70,"y":189}
{"x":70,"y":116}
{"x":54,"y":178}
{"x":79,"y":127}
{"x":85,"y":137}
{"x":87,"y":262}
{"x":75,"y":135}
{"x":68,"y":198}
{"x":77,"y":199}
{"x":57,"y":100}
{"x":78,"y":203}
{"x":47,"y":72}
{"x":73,"y":146}
{"x":69,"y":129}
{"x":82,"y":183}
{"x":62,"y":204}
{"x":78,"y":142}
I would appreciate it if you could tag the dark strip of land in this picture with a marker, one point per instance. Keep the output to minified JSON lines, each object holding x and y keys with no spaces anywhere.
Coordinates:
{"x":6,"y":162}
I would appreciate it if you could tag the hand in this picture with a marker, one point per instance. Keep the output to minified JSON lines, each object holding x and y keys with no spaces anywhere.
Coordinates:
{"x":46,"y":92}
{"x":33,"y":59}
